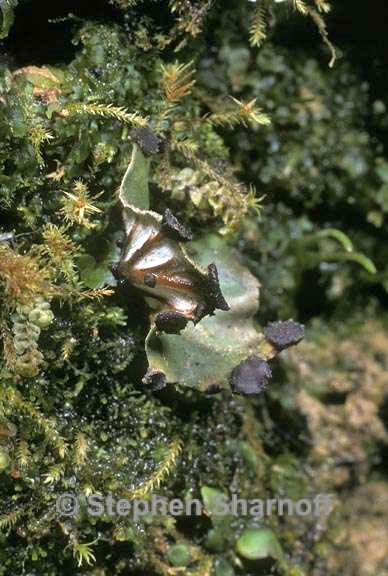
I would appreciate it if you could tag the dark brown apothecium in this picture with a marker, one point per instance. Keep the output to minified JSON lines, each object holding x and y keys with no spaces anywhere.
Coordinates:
{"x":283,"y":334}
{"x":148,"y":141}
{"x":250,"y":376}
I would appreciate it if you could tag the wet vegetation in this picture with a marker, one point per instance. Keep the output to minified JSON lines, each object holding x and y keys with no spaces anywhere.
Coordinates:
{"x":258,"y":129}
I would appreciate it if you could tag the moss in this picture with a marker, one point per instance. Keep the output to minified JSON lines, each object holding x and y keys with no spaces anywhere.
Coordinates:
{"x":74,"y":415}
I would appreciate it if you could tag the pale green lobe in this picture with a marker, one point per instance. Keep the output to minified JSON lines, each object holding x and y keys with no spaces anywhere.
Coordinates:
{"x":4,"y":460}
{"x":223,"y":568}
{"x":96,"y":274}
{"x":212,"y":499}
{"x":134,"y":190}
{"x":205,"y":354}
{"x":179,"y":555}
{"x":8,"y":17}
{"x":217,"y":507}
{"x":258,"y":544}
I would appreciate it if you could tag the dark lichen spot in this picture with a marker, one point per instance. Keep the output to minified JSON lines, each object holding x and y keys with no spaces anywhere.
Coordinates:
{"x":212,"y":294}
{"x":251,"y":376}
{"x":97,"y":72}
{"x":174,"y":228}
{"x":170,"y":322}
{"x":215,"y":295}
{"x":155,"y":380}
{"x":284,"y":334}
{"x":150,"y":280}
{"x":213,"y":389}
{"x":147,"y":140}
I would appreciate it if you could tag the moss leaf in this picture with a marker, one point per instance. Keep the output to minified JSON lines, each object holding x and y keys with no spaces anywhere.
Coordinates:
{"x":258,"y":543}
{"x":8,"y":17}
{"x":95,"y":273}
{"x":179,"y":555}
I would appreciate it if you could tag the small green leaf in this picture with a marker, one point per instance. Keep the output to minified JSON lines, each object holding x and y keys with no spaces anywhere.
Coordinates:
{"x":382,"y":170}
{"x":249,"y":454}
{"x":215,"y":539}
{"x":223,"y":568}
{"x":258,"y":543}
{"x":4,"y":460}
{"x":342,"y":238}
{"x":364,"y":261}
{"x":96,"y":274}
{"x":361,"y":259}
{"x":217,"y":506}
{"x":213,"y":499}
{"x":8,"y":17}
{"x":179,"y":555}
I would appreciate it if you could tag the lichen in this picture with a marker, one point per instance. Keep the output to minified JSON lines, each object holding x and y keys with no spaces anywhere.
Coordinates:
{"x":260,"y":160}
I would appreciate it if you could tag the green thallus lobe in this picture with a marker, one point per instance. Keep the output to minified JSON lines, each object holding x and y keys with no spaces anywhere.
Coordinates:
{"x":155,"y":261}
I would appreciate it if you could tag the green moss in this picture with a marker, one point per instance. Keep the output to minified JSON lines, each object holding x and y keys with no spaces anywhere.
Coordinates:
{"x":179,"y":555}
{"x":74,"y":416}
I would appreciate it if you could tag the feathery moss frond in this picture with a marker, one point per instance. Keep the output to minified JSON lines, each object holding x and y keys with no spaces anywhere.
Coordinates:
{"x":246,"y":112}
{"x":177,"y":80}
{"x":300,"y":6}
{"x":78,"y":205}
{"x":323,"y":6}
{"x":8,"y":521}
{"x":106,"y":111}
{"x":22,"y":453}
{"x":23,"y":276}
{"x":60,"y":250}
{"x":15,"y":401}
{"x":257,"y":31}
{"x":161,"y":473}
{"x":37,"y":135}
{"x":54,"y":474}
{"x":190,"y":15}
{"x":81,"y":449}
{"x":259,"y":22}
{"x":96,"y":293}
{"x":249,"y":112}
{"x":82,"y":552}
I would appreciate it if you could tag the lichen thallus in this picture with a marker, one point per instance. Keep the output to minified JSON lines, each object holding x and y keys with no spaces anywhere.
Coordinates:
{"x":154,"y":260}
